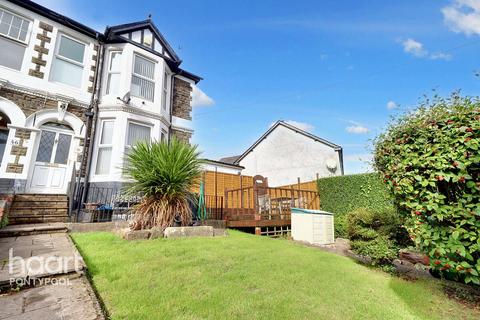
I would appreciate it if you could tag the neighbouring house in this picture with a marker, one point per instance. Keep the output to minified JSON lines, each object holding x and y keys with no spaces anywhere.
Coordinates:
{"x":73,"y":100}
{"x":285,"y":153}
{"x":222,"y":167}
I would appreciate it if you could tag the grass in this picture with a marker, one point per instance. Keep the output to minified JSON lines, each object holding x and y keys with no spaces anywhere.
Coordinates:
{"x":249,"y":277}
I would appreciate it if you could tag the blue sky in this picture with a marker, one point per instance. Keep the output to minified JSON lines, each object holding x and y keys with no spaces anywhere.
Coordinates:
{"x":339,"y":68}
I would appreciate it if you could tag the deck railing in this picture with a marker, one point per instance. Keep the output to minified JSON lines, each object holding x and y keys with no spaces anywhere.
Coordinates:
{"x":267,"y":203}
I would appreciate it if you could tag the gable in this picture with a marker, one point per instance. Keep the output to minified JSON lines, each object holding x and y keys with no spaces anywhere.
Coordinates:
{"x":146,"y":38}
{"x":145,"y":35}
{"x":282,"y":125}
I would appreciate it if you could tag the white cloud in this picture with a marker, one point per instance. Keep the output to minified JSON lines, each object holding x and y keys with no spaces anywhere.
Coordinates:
{"x":414,"y":47}
{"x":358,"y":163}
{"x":417,"y":49}
{"x":357,"y":129}
{"x":300,"y":125}
{"x":200,"y":98}
{"x":440,"y":56}
{"x":463,"y":16}
{"x":391,"y":105}
{"x":323,"y":56}
{"x":360,"y":157}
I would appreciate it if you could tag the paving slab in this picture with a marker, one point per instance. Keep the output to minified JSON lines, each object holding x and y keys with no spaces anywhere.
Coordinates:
{"x":66,"y":299}
{"x":40,"y":255}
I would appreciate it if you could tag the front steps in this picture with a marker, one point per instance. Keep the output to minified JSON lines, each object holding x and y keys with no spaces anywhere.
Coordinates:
{"x":38,"y":208}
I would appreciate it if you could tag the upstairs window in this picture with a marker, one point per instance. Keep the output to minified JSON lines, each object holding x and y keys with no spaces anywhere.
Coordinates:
{"x":68,"y":66}
{"x":13,"y":26}
{"x":13,"y":39}
{"x":143,"y":84}
{"x":164,"y":91}
{"x":114,"y":71}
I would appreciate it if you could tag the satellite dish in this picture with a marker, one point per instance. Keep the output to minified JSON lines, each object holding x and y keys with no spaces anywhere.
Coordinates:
{"x":126,"y":98}
{"x":331,"y":164}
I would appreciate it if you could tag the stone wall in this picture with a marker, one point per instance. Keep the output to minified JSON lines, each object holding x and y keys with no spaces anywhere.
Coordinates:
{"x":182,"y":135}
{"x":182,"y":99}
{"x":40,"y":50}
{"x":29,"y":104}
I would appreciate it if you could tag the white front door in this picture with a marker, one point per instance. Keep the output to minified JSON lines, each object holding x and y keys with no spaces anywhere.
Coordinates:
{"x":51,"y":166}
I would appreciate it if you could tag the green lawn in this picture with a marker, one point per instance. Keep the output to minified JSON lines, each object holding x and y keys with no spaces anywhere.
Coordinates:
{"x":249,"y":277}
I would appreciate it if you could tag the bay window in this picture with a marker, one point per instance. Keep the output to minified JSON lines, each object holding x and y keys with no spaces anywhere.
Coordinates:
{"x":68,"y":65}
{"x":14,"y":33}
{"x":114,"y":72}
{"x":136,"y":133}
{"x":165,"y":90}
{"x":143,"y":84}
{"x":105,"y":145}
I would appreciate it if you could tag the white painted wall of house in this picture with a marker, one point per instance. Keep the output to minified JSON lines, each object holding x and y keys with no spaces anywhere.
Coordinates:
{"x":21,"y":78}
{"x":285,"y":155}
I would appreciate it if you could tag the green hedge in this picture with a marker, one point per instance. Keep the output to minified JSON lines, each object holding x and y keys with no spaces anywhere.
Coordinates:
{"x":343,"y":194}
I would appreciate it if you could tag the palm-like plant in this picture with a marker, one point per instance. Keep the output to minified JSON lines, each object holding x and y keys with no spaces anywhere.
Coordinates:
{"x":164,"y":175}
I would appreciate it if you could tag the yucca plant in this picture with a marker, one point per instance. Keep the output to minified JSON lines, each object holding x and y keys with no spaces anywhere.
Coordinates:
{"x":163,"y":175}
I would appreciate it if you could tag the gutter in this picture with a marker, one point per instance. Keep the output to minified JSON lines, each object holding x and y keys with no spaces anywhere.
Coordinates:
{"x":92,"y":116}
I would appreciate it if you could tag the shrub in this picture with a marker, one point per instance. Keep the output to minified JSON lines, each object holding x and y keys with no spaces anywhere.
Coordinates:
{"x":343,"y":194}
{"x":163,"y":174}
{"x":430,"y":161}
{"x":381,"y":250}
{"x":376,"y":234}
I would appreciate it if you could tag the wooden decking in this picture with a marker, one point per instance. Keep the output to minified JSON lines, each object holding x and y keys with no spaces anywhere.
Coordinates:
{"x":260,"y":206}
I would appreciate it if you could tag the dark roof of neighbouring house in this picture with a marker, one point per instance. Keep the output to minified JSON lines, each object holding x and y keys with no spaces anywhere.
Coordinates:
{"x":223,"y":163}
{"x":293,"y":128}
{"x":230,"y":160}
{"x":111,"y":34}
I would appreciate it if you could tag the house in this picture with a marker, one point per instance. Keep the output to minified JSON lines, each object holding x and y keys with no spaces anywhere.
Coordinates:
{"x":285,"y":153}
{"x":73,"y":100}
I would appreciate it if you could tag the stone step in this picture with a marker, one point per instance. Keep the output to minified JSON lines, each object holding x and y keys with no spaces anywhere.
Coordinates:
{"x":36,"y":211}
{"x":40,"y":197}
{"x":32,"y":229}
{"x":39,"y":204}
{"x":38,"y":208}
{"x":37,"y":219}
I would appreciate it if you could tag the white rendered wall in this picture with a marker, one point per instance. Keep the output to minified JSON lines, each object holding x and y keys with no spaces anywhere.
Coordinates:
{"x":286,"y":155}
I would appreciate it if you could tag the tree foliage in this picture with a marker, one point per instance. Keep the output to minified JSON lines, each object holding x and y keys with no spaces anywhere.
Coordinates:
{"x":430,"y":161}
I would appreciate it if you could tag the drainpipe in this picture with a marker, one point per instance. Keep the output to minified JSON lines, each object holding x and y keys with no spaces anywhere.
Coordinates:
{"x":92,"y":116}
{"x":340,"y":156}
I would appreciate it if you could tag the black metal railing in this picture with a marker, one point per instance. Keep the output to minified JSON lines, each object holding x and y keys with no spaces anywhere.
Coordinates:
{"x":109,"y":204}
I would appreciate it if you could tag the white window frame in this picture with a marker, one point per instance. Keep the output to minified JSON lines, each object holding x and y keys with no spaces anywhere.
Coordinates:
{"x":165,"y":89}
{"x":30,"y":22}
{"x":149,"y":126}
{"x":135,"y":54}
{"x":104,"y":146}
{"x":109,"y":71}
{"x":58,"y":56}
{"x":163,"y":135}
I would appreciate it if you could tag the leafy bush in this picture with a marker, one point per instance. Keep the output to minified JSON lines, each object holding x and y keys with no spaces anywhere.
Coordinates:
{"x":376,"y":234}
{"x":343,"y":194}
{"x":430,"y":161}
{"x":381,"y":250}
